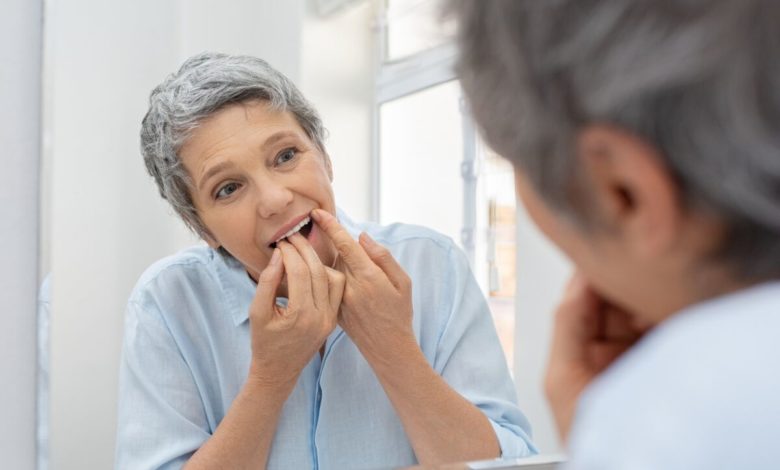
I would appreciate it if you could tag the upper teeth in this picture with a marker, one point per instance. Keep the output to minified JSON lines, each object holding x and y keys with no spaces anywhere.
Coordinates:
{"x":295,"y":229}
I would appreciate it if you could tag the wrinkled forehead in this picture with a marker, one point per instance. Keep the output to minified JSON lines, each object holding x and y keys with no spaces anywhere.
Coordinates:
{"x":253,"y":123}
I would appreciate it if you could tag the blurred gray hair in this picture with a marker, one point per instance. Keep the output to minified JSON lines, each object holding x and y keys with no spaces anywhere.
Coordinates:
{"x":699,"y":79}
{"x":204,"y":85}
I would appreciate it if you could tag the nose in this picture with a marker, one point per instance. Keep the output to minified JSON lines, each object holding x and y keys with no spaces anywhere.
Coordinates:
{"x":272,"y":197}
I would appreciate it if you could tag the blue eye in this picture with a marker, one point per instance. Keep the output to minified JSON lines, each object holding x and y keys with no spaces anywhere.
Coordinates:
{"x":226,"y":190}
{"x":286,"y":155}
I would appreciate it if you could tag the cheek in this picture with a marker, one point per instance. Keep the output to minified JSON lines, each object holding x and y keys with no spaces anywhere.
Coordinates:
{"x":605,"y":267}
{"x":578,"y":248}
{"x":317,"y":187}
{"x":235,"y":231}
{"x":543,"y":218}
{"x":552,"y":225}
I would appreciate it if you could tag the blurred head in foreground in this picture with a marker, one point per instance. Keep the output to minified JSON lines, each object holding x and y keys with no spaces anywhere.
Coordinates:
{"x":645,"y":136}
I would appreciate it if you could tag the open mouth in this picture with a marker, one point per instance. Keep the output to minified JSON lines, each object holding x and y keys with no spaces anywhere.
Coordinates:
{"x":304,"y":227}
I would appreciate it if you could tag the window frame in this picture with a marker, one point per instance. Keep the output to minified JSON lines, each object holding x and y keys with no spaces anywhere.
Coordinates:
{"x":412,"y":74}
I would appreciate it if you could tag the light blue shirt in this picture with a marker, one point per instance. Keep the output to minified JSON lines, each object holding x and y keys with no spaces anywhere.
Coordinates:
{"x":700,"y":392}
{"x":187,"y":351}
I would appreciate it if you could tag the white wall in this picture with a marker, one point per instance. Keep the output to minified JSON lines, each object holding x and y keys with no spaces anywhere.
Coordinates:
{"x":20,"y":101}
{"x":108,"y":221}
{"x":542,"y":272}
{"x":269,"y":29}
{"x":337,"y":76}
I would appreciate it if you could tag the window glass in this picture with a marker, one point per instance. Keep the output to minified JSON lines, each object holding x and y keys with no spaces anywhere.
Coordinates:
{"x":497,"y":251}
{"x":420,"y":152}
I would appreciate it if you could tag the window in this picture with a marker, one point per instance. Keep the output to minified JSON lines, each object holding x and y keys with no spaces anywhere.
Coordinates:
{"x":420,"y":145}
{"x":497,"y":213}
{"x":425,"y":142}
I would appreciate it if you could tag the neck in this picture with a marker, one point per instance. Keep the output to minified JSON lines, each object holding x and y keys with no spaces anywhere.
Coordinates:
{"x":688,"y":289}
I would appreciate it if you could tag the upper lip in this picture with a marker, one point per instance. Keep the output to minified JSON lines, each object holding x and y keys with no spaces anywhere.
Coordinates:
{"x":287,"y":227}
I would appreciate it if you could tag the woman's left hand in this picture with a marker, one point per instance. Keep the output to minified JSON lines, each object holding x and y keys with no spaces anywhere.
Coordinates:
{"x":376,"y":309}
{"x":376,"y":313}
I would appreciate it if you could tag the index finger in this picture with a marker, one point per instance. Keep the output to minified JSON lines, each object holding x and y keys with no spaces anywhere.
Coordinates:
{"x":618,"y":325}
{"x":298,"y":276}
{"x":350,"y":250}
{"x":268,"y":283}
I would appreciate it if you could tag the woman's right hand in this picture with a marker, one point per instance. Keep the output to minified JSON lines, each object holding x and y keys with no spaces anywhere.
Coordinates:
{"x":283,"y":342}
{"x":284,"y":339}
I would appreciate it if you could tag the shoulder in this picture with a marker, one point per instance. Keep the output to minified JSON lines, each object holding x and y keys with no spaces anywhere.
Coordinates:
{"x":700,"y":377}
{"x":187,"y":269}
{"x":405,"y":240}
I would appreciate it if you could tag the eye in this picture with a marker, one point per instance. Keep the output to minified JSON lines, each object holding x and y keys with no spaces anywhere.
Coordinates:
{"x":226,"y":190}
{"x":286,"y":155}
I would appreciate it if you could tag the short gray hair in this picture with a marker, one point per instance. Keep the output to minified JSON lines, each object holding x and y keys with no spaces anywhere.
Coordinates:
{"x":205,"y":84}
{"x":699,"y":79}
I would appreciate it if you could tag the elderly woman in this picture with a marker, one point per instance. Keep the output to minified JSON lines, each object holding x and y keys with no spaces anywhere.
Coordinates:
{"x":645,"y":137}
{"x":286,"y":343}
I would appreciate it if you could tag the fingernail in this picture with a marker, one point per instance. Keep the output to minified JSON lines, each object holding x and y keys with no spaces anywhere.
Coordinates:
{"x":316,"y":215}
{"x":275,"y":257}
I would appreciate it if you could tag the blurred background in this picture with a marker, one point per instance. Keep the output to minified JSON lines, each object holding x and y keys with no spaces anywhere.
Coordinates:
{"x":403,"y":145}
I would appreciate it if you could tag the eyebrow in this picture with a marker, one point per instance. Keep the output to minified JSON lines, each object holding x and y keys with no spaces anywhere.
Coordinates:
{"x":212,"y":171}
{"x":281,"y":135}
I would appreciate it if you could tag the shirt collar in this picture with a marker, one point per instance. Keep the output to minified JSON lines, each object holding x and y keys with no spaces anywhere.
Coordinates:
{"x":760,"y":297}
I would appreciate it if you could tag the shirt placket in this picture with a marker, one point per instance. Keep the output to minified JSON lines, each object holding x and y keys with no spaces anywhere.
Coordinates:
{"x":318,"y":396}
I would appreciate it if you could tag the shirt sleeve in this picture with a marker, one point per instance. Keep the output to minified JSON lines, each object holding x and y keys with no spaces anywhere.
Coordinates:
{"x":469,"y":357}
{"x":161,"y":418}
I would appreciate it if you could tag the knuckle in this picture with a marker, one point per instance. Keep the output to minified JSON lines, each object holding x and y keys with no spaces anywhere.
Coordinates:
{"x":343,"y":246}
{"x":255,"y":315}
{"x":336,"y":276}
{"x":384,"y":257}
{"x":318,"y":273}
{"x":348,"y":294}
{"x":406,"y":283}
{"x":297,"y":271}
{"x":266,"y":276}
{"x":291,"y":312}
{"x":381,"y":253}
{"x":325,"y":221}
{"x":372,"y":274}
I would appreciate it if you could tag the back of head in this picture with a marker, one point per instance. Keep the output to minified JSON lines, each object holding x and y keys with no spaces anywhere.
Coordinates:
{"x":697,"y":79}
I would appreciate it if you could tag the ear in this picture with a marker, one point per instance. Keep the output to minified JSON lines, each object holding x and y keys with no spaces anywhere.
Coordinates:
{"x":210,"y":240}
{"x":635,"y":196}
{"x":328,"y":165}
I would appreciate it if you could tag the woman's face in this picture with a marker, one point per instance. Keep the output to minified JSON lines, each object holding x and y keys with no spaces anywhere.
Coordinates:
{"x":256,"y":176}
